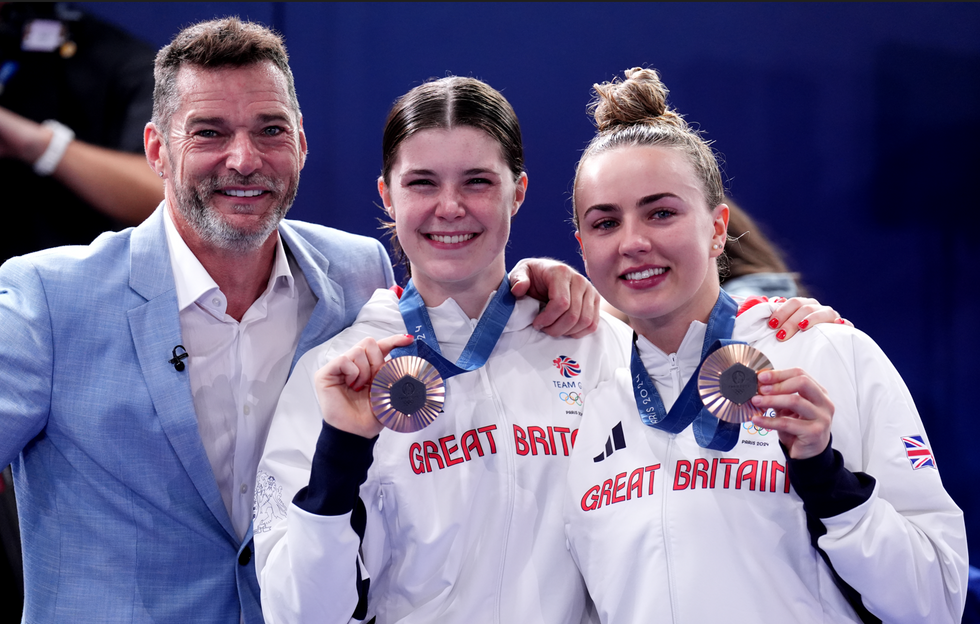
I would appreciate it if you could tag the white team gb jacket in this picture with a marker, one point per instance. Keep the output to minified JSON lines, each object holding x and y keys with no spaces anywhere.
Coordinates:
{"x":666,"y":531}
{"x":463,"y":518}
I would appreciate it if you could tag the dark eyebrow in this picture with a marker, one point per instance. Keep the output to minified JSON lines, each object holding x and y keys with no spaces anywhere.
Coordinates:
{"x":270,"y":117}
{"x":206,"y":121}
{"x":599,"y":208}
{"x":644,"y":201}
{"x":468,"y":172}
{"x":651,"y":199}
{"x":219,"y":121}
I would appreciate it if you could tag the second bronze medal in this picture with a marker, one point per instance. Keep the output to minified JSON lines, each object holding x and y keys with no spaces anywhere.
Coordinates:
{"x":728,"y":380}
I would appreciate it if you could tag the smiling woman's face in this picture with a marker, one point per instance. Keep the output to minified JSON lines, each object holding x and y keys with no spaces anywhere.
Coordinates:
{"x":647,"y":235}
{"x":452,"y":196}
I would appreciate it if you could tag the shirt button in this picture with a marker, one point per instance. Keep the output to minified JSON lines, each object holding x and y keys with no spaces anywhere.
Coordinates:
{"x":244,"y":488}
{"x":246,"y":410}
{"x":216,"y":302}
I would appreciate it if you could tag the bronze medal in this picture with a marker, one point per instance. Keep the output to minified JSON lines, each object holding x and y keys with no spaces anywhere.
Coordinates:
{"x":407,"y":394}
{"x":729,"y":379}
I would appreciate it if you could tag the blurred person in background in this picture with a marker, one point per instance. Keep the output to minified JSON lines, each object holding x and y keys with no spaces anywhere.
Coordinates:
{"x":752,"y":264}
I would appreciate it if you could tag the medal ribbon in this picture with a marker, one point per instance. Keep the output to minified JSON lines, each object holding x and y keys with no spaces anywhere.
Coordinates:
{"x":482,"y":340}
{"x":688,"y":409}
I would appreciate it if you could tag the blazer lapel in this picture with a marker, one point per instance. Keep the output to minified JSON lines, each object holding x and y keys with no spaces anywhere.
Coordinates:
{"x":155,"y":326}
{"x":327,"y":318}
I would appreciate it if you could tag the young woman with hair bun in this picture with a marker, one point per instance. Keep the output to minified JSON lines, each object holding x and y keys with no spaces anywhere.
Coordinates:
{"x":831,"y":509}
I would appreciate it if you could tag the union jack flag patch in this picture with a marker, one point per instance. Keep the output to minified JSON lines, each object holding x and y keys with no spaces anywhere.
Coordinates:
{"x":918,"y":453}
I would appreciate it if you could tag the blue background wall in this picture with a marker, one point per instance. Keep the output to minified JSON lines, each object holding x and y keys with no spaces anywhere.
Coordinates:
{"x":850,"y":130}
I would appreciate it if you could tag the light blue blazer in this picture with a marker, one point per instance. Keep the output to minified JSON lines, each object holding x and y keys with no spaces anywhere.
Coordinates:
{"x":120,"y":515}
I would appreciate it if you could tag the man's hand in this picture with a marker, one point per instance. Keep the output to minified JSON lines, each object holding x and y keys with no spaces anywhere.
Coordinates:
{"x":343,"y":385}
{"x":572,"y":304}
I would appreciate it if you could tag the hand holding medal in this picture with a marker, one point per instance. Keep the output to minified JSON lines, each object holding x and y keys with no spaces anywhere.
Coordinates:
{"x":410,"y":389}
{"x":804,"y":411}
{"x":343,"y":385}
{"x":738,"y":384}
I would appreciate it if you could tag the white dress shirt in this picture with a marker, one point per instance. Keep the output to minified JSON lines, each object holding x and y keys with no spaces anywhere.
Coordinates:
{"x":237,"y":369}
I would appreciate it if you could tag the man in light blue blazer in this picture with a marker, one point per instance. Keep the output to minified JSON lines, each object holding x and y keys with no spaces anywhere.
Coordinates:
{"x":133,"y":427}
{"x":121,"y":517}
{"x":121,"y":514}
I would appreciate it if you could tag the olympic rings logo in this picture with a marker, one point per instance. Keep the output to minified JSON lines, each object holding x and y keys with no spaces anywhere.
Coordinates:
{"x":571,"y":398}
{"x":752,"y":429}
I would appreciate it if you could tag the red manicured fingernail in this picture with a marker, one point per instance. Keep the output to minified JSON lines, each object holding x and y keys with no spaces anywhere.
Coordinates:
{"x":781,"y":334}
{"x":804,"y":323}
{"x":840,"y":321}
{"x":774,"y":323}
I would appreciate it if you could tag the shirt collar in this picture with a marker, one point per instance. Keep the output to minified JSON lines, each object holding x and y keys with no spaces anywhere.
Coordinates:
{"x":688,"y":356}
{"x":192,"y":280}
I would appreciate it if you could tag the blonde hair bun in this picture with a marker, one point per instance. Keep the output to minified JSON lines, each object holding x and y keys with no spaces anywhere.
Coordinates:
{"x":640,"y":98}
{"x":633,"y":112}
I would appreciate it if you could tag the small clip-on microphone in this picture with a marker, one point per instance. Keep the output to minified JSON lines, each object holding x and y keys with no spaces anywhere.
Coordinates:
{"x":177,"y":359}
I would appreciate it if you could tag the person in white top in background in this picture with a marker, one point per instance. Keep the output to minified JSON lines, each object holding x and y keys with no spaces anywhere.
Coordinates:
{"x":829,"y":510}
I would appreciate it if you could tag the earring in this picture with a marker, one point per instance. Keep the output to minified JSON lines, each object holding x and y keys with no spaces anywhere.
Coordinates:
{"x":716,"y":246}
{"x":160,"y":173}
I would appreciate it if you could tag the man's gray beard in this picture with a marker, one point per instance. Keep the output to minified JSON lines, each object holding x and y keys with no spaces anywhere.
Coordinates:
{"x":211,"y":226}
